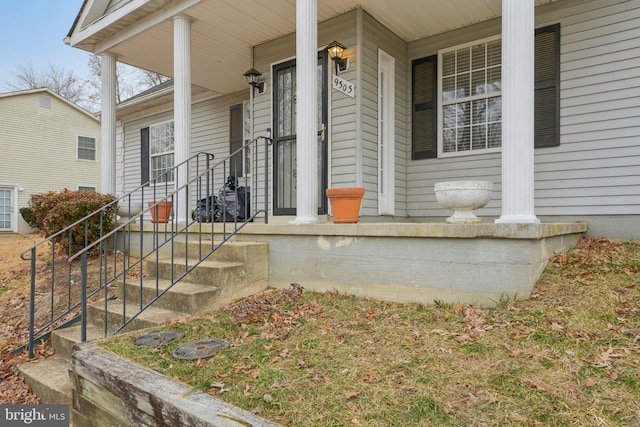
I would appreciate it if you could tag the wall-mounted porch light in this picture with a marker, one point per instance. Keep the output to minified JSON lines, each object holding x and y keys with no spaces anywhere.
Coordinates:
{"x":253,"y":78}
{"x":336,"y":50}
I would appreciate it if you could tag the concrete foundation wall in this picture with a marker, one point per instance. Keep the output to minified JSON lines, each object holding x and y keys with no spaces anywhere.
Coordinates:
{"x":410,"y":262}
{"x":416,"y":263}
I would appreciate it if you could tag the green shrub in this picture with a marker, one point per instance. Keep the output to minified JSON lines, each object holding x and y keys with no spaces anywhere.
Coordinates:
{"x":29,"y":217}
{"x":55,"y":210}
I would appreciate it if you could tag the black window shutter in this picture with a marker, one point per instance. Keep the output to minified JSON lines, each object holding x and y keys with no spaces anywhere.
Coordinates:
{"x":547,"y":87}
{"x":424,"y":125}
{"x":144,"y":155}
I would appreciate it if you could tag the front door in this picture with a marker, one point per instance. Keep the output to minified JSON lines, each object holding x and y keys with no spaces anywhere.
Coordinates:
{"x":284,"y":136}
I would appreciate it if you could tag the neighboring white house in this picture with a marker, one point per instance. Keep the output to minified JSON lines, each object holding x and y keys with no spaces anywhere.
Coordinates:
{"x":431,"y":92}
{"x":47,"y":144}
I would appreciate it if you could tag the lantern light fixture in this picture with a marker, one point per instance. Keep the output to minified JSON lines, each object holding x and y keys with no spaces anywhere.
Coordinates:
{"x":253,"y":78}
{"x":336,"y":50}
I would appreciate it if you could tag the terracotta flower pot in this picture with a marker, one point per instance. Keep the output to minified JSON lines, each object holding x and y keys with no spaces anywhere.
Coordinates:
{"x":345,"y":204}
{"x":161,"y":212}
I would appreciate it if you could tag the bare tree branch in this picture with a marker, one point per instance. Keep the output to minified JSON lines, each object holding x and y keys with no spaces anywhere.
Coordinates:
{"x":86,"y":93}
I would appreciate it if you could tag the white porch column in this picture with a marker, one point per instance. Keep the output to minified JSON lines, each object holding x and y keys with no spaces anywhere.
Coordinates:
{"x":517,"y":112}
{"x":108,"y":125}
{"x":182,"y":110}
{"x":306,"y":113}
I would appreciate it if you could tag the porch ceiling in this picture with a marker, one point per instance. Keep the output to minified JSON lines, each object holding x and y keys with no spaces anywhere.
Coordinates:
{"x":140,"y":32}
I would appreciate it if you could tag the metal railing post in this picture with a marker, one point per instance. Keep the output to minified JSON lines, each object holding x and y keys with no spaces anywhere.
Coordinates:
{"x":266,"y":180}
{"x":32,"y":302}
{"x":83,"y":296}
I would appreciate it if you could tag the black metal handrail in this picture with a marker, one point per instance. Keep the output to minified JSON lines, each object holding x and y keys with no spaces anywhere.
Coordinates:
{"x":166,"y":236}
{"x":116,"y":243}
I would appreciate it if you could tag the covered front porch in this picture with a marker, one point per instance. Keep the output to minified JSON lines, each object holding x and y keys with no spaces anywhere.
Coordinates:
{"x":406,"y":262}
{"x":181,"y":40}
{"x":355,"y":135}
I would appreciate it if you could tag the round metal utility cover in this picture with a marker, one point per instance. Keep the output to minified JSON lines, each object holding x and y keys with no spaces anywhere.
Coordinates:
{"x":156,"y":339}
{"x":202,"y":349}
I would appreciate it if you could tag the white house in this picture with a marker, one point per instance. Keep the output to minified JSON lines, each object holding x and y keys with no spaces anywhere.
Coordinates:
{"x":48,"y":144}
{"x":537,"y":96}
{"x":431,"y":92}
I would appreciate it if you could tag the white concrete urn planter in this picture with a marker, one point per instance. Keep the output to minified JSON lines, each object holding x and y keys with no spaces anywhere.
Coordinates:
{"x":463,"y":197}
{"x":128,"y":210}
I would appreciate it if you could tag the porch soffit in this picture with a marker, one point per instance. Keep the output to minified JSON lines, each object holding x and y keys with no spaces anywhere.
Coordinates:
{"x":223,"y":31}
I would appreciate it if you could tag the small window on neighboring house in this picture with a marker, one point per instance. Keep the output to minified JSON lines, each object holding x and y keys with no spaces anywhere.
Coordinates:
{"x":469,"y":112}
{"x":236,"y":133}
{"x":157,"y":156}
{"x":86,"y":148}
{"x":86,"y":188}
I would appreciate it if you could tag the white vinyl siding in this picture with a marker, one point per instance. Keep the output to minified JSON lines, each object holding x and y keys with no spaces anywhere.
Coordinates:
{"x":376,"y":36}
{"x":209,"y":133}
{"x":51,"y":162}
{"x":594,"y":170}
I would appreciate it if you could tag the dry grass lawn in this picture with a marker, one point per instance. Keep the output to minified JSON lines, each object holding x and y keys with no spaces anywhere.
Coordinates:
{"x":568,"y":356}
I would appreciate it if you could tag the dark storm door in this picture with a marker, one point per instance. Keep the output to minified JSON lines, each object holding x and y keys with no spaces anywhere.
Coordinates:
{"x":284,"y":136}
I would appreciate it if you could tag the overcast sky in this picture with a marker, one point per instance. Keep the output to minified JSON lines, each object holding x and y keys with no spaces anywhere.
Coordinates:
{"x":33,"y":31}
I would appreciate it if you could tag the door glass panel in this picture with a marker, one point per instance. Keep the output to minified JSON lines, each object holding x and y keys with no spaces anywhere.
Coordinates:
{"x":5,"y":209}
{"x":285,"y":164}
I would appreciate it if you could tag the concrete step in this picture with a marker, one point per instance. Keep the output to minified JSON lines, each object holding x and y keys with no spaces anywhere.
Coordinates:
{"x":64,"y":339}
{"x":233,"y":251}
{"x":208,"y":272}
{"x":236,"y":270}
{"x":116,"y":312}
{"x":183,"y":297}
{"x":49,"y":379}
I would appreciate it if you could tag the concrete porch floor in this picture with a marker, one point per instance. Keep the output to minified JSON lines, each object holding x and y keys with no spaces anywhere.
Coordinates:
{"x":408,"y":262}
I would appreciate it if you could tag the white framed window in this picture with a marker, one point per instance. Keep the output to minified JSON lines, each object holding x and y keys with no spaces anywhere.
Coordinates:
{"x":470,"y":88}
{"x":161,"y":152}
{"x":86,"y":188}
{"x":86,"y":148}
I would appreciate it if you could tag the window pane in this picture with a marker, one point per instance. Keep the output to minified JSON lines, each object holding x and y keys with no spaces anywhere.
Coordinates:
{"x":479,"y":137}
{"x":478,"y":81}
{"x":463,"y":86}
{"x":464,"y":114}
{"x":471,"y":102}
{"x":448,"y":88}
{"x":494,"y":53}
{"x":449,"y":145}
{"x":449,"y":64}
{"x":450,"y":116}
{"x":494,"y":109}
{"x":494,"y":79}
{"x":479,"y":114}
{"x":464,"y":139}
{"x":463,"y":61}
{"x":494,"y":136}
{"x":478,"y":57}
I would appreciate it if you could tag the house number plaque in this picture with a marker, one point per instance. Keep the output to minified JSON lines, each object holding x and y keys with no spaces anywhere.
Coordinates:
{"x":344,"y":86}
